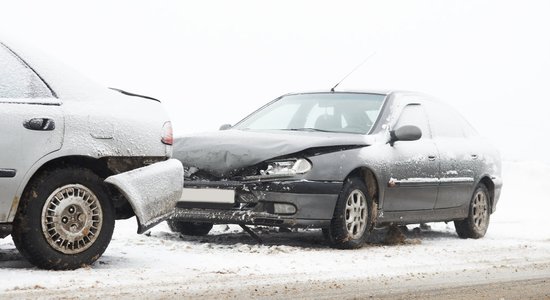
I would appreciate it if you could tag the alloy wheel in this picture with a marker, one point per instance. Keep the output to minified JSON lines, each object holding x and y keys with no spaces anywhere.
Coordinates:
{"x":480,"y":211}
{"x":356,"y":214}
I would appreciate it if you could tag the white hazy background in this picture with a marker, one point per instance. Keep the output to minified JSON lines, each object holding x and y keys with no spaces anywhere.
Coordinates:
{"x":213,"y":62}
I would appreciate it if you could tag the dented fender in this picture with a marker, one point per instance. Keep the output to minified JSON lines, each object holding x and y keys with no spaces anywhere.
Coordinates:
{"x":152,"y":191}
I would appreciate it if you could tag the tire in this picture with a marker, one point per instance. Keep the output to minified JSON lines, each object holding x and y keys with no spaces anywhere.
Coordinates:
{"x":65,"y":219}
{"x":326,"y":234}
{"x":476,"y":224}
{"x":190,"y":228}
{"x":352,"y":220}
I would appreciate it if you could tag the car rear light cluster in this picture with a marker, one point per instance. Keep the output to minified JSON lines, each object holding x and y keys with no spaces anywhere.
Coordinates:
{"x":167,"y":133}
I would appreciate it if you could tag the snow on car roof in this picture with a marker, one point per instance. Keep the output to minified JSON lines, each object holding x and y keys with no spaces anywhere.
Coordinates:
{"x":66,"y":82}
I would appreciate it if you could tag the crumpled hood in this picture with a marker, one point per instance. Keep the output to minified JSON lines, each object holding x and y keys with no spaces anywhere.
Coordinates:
{"x":222,"y":153}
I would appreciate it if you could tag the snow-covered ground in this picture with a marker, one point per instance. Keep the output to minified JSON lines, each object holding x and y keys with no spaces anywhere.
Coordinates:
{"x":228,"y":263}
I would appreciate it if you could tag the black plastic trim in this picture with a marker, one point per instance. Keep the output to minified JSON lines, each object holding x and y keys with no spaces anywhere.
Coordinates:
{"x":295,"y":187}
{"x":190,"y":204}
{"x":244,"y":217}
{"x":133,"y":95}
{"x":8,"y":173}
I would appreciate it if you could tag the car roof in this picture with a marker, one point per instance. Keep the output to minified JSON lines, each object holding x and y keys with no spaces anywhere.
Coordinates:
{"x":369,"y":91}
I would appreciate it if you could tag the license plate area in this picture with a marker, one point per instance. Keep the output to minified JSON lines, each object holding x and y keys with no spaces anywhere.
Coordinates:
{"x":208,"y":196}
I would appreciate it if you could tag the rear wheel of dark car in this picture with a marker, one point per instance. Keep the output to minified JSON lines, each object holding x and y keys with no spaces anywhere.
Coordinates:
{"x":190,"y":228}
{"x":65,"y":219}
{"x":475,"y":226}
{"x":352,"y":220}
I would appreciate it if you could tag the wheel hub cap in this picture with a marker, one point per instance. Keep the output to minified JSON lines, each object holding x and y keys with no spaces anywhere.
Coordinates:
{"x":71,"y":219}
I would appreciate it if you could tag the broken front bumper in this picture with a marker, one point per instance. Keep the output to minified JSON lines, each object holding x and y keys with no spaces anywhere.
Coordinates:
{"x":152,"y":191}
{"x":273,"y":203}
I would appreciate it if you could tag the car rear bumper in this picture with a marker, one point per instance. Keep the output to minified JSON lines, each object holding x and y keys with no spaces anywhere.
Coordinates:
{"x":152,"y":191}
{"x":311,"y":203}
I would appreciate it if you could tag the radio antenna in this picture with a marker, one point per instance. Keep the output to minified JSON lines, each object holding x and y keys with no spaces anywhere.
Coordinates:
{"x":355,"y":69}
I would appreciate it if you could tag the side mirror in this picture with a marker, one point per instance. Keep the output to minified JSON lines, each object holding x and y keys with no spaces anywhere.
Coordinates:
{"x":225,"y":126}
{"x":405,"y":133}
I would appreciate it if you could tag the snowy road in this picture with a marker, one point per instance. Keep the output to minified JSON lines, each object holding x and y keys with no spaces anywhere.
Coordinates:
{"x":527,"y":282}
{"x":512,"y":261}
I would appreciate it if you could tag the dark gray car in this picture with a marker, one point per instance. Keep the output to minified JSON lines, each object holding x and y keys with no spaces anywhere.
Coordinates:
{"x":341,"y":161}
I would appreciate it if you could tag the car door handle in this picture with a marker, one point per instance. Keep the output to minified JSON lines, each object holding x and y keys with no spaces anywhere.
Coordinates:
{"x":474,"y":156}
{"x":43,"y":124}
{"x":432,"y":157}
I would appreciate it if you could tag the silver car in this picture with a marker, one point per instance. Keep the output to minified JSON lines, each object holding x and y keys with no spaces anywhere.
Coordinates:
{"x":74,"y":157}
{"x":341,"y":161}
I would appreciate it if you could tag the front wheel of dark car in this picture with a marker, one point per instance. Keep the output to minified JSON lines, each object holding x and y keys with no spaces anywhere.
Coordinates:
{"x":190,"y":228}
{"x":352,"y":220}
{"x":65,"y":219}
{"x":476,"y":224}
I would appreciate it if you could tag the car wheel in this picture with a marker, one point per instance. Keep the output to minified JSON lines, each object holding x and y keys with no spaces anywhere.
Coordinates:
{"x":352,"y":220}
{"x":326,"y":234}
{"x":476,"y":224}
{"x":190,"y":228}
{"x":65,"y":219}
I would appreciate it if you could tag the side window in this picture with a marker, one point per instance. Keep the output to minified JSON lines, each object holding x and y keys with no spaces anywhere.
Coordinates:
{"x":414,"y":114}
{"x":17,"y":80}
{"x":444,"y":121}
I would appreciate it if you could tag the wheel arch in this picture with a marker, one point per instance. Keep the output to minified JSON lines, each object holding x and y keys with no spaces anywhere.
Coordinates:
{"x":490,"y":185}
{"x":100,"y":166}
{"x":371,"y":181}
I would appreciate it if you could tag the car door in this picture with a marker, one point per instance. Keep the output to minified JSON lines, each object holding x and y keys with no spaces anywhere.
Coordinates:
{"x":458,"y":156}
{"x":31,"y":123}
{"x":413,"y":166}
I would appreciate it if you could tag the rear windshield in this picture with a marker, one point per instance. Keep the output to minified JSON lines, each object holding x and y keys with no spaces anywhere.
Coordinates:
{"x":17,"y":80}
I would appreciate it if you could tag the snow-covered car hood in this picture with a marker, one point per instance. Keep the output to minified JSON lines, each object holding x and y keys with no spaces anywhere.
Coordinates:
{"x":222,"y":153}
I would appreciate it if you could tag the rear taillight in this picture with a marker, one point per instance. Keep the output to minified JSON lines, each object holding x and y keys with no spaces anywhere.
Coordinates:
{"x":167,"y":133}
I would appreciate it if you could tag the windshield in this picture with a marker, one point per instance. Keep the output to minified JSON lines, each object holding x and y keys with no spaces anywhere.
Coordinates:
{"x":330,"y":112}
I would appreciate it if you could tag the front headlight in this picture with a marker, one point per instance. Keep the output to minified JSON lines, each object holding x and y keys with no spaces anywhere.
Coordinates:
{"x":286,"y":167}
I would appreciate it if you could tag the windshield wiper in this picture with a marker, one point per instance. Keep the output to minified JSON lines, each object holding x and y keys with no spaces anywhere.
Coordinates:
{"x":322,"y":130}
{"x":309,"y":129}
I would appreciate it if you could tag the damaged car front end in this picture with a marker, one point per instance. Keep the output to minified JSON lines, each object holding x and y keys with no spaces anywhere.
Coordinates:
{"x":281,"y":195}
